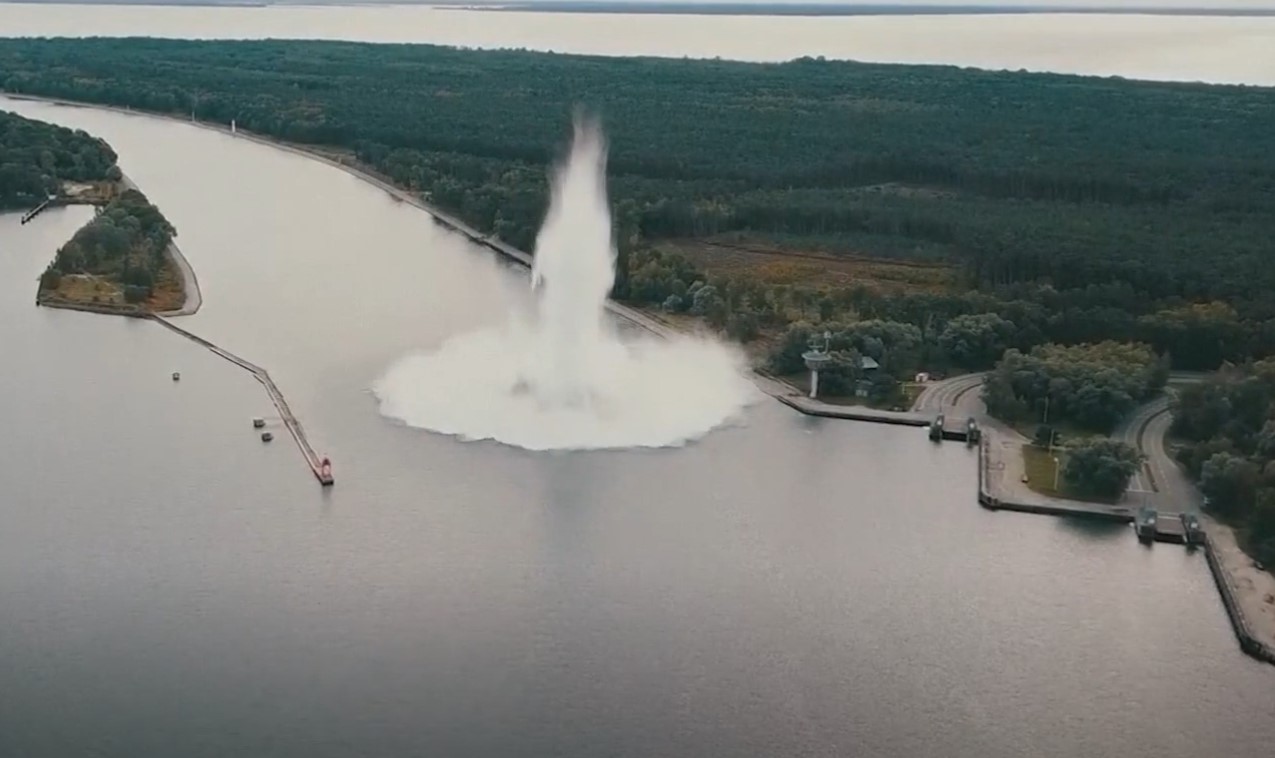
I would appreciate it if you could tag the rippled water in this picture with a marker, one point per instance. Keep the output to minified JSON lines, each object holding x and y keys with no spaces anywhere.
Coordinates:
{"x":1208,"y":48}
{"x":171,"y":586}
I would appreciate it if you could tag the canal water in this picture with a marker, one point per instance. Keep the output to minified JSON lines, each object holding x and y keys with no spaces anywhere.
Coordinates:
{"x":788,"y":586}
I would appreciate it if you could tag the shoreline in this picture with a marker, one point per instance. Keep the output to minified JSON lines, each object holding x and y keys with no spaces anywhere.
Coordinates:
{"x":768,"y":385}
{"x":192,"y":298}
{"x":1225,"y":564}
{"x":808,"y":9}
{"x":1242,"y":588}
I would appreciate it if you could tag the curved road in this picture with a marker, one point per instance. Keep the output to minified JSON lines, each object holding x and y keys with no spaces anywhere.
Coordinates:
{"x":1159,"y":483}
{"x":952,"y":395}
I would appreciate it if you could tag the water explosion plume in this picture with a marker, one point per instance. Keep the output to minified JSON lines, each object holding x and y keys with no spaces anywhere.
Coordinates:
{"x":565,"y":379}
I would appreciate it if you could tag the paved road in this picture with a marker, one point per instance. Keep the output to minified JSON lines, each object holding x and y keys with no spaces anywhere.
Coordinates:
{"x":1160,"y":481}
{"x":957,"y":396}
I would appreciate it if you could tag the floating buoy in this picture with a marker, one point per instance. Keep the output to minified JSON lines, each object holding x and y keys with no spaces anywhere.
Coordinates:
{"x":176,"y":375}
{"x":266,"y":436}
{"x":258,"y":422}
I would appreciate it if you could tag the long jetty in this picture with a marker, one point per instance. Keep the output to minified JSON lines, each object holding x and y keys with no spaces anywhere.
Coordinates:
{"x":319,"y":466}
{"x":31,"y":214}
{"x":1243,"y":632}
{"x":854,"y":412}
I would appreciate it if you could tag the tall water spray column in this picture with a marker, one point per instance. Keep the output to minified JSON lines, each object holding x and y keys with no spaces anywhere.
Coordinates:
{"x":574,"y":269}
{"x":817,"y":357}
{"x":565,"y":379}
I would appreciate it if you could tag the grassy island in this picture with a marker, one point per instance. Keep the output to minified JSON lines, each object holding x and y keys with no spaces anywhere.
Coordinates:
{"x":118,"y":261}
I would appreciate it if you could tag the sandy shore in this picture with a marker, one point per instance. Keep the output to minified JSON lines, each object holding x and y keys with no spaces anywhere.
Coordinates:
{"x":1254,"y":588}
{"x":192,"y":298}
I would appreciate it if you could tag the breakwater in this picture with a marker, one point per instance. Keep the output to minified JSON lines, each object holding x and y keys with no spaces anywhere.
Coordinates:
{"x":1239,"y":622}
{"x":1248,"y":642}
{"x":318,"y":465}
{"x":30,"y":215}
{"x":110,"y":309}
{"x":812,"y":407}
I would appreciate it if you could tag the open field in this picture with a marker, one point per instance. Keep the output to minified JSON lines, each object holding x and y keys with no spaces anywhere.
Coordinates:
{"x":767,"y":263}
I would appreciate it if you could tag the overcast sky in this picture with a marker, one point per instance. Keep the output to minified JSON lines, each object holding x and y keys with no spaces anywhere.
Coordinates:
{"x":1195,"y":4}
{"x":1199,"y":4}
{"x":1263,"y":5}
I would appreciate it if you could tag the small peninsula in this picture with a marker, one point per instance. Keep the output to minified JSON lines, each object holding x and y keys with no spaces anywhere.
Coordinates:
{"x":122,"y":260}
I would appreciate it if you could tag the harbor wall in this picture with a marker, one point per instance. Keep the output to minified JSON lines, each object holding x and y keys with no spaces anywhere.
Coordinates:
{"x":1248,"y":642}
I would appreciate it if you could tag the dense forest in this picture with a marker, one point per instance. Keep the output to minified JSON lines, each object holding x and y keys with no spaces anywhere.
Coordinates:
{"x":1090,"y":386}
{"x":1073,"y":209}
{"x":35,"y":158}
{"x":123,"y":247}
{"x":1229,"y":427}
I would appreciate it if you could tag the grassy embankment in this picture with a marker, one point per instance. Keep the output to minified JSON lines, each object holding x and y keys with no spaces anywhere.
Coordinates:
{"x":1039,"y":466}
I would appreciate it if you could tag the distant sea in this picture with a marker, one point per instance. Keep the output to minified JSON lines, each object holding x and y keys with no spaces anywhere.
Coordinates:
{"x":1212,"y":47}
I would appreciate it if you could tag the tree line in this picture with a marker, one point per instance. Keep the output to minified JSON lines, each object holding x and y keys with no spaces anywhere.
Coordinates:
{"x":1092,"y":386}
{"x":126,"y":244}
{"x":1144,"y":208}
{"x":1228,"y":425}
{"x":36,"y":158}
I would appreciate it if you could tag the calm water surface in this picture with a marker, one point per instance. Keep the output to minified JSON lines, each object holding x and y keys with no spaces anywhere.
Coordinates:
{"x":1209,"y":48}
{"x":787,"y":586}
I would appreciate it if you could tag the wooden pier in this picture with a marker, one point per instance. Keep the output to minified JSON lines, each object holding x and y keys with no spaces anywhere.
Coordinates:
{"x":320,"y":466}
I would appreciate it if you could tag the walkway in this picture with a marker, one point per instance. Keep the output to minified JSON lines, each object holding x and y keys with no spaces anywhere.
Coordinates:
{"x":811,"y":407}
{"x":1004,"y":474}
{"x":321,"y":472}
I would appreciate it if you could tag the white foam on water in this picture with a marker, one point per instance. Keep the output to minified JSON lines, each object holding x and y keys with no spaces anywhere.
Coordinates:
{"x":565,"y":379}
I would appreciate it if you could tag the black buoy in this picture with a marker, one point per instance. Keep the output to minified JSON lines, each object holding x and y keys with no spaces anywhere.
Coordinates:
{"x":258,"y":422}
{"x":177,"y":376}
{"x":266,"y":436}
